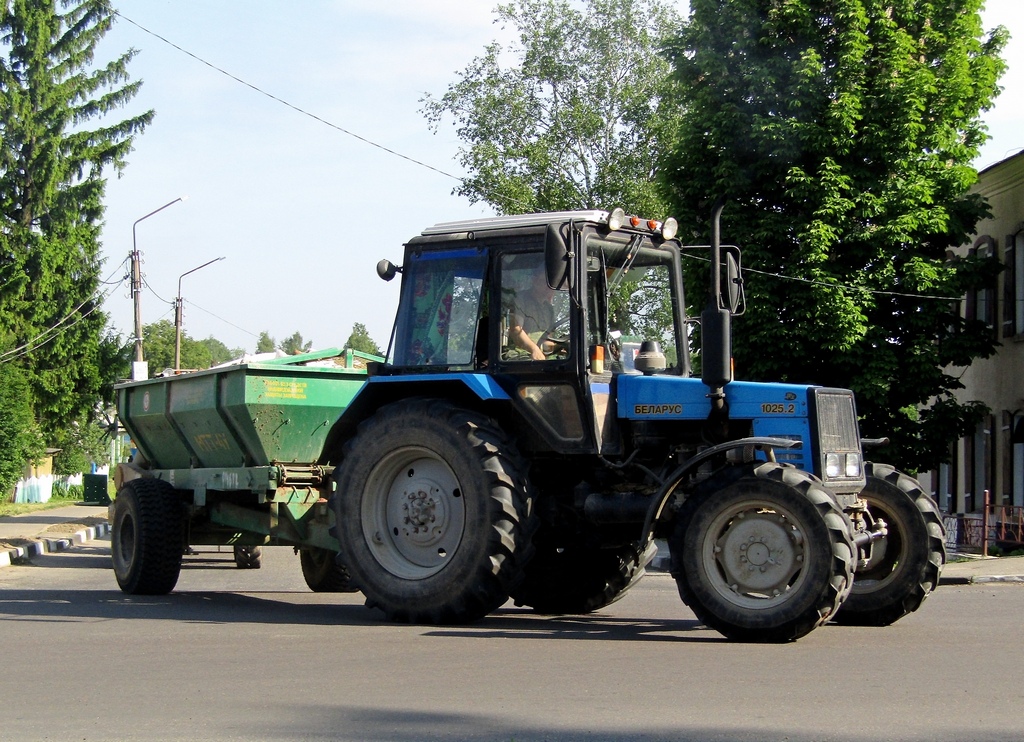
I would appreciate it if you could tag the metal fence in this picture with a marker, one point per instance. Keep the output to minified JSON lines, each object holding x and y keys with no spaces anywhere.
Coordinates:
{"x":1001,"y":526}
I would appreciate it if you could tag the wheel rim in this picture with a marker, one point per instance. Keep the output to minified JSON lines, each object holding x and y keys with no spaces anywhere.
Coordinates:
{"x":413,"y":513}
{"x":887,"y":554}
{"x":754,"y":555}
{"x":125,"y":542}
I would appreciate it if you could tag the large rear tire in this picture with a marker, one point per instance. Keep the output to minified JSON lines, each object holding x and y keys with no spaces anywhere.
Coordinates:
{"x":570,"y":575}
{"x":768,"y":557}
{"x":147,"y":537}
{"x":323,"y":573}
{"x":906,"y":564}
{"x":433,"y":511}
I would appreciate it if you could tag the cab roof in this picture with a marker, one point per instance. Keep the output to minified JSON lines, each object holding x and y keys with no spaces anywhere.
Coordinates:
{"x":515,"y":221}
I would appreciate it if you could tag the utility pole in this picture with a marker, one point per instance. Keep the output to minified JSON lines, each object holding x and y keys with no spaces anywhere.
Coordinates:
{"x":137,"y":282}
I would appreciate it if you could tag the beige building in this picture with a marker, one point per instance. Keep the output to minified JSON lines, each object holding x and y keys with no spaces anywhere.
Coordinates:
{"x":993,"y":458}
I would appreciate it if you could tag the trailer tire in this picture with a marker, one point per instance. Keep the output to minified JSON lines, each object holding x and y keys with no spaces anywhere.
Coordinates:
{"x":434,"y":513}
{"x":906,"y":564}
{"x":248,"y":557}
{"x":147,"y":537}
{"x":768,"y":557}
{"x":323,"y":573}
{"x":577,"y":577}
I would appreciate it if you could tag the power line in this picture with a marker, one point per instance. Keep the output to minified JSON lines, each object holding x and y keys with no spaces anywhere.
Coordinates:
{"x":390,"y":151}
{"x":827,"y":284}
{"x":247,"y":332}
{"x":286,"y":103}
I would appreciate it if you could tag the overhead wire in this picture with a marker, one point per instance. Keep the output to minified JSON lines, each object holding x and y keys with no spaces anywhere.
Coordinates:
{"x":283,"y":102}
{"x":414,"y":161}
{"x":54,"y":330}
{"x":247,"y":332}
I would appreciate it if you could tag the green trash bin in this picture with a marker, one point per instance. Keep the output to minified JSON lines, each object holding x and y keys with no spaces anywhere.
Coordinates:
{"x":95,"y":486}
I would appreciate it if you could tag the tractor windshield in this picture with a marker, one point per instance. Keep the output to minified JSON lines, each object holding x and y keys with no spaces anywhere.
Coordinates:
{"x":634,"y":295}
{"x":440,"y":308}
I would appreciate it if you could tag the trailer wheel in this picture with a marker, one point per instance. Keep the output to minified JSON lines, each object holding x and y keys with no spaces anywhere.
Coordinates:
{"x":905,"y":565}
{"x":572,"y":576}
{"x":323,"y":573}
{"x":146,"y":537}
{"x":248,"y":557}
{"x":766,"y":558}
{"x":433,"y":511}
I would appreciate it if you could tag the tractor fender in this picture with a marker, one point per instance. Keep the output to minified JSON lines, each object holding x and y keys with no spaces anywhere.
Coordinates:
{"x":672,"y":482}
{"x":468,"y":389}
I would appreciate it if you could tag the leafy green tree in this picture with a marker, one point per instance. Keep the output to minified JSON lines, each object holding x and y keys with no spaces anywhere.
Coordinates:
{"x":266,"y":344}
{"x":295,"y":344}
{"x":219,"y":352}
{"x":158,"y":347}
{"x":20,"y":440}
{"x":82,"y":444}
{"x":53,"y":158}
{"x":360,"y":340}
{"x":841,"y":134}
{"x":577,"y":120}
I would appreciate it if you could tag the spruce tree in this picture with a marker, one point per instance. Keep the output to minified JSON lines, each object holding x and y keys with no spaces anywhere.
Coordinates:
{"x":54,"y":157}
{"x":841,"y":133}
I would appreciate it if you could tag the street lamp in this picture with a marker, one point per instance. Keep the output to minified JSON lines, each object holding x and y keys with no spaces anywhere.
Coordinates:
{"x":137,"y":280}
{"x":177,"y":314}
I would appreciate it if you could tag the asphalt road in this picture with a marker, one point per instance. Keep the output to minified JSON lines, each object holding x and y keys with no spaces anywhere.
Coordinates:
{"x":254,"y":655}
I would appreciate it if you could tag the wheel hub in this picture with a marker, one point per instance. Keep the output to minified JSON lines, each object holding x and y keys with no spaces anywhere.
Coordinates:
{"x":759,"y":553}
{"x":420,"y":512}
{"x":417,"y":513}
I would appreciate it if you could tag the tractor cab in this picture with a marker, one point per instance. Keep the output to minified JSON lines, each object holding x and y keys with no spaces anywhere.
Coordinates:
{"x":549,"y":308}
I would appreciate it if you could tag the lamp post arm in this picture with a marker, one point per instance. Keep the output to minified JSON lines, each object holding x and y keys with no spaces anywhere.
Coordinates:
{"x":177,"y":313}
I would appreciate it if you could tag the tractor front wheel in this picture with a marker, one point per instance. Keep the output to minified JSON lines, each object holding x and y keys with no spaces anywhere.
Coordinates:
{"x":768,"y":557}
{"x":905,"y":565}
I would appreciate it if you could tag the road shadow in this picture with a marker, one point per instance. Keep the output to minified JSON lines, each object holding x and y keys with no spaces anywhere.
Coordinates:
{"x":368,"y":724}
{"x":346,"y":609}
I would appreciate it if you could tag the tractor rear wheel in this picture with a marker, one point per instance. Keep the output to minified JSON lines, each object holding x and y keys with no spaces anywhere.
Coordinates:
{"x":905,"y":564}
{"x":323,"y":573}
{"x":433,"y":511}
{"x":572,"y":576}
{"x":146,"y":537}
{"x":768,"y":557}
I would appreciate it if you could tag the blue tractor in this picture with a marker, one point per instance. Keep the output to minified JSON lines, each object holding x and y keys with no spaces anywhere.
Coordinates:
{"x":537,"y":429}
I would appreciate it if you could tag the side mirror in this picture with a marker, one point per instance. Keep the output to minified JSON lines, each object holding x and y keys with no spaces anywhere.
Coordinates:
{"x":733,"y":295}
{"x":557,"y":257}
{"x":387,"y":270}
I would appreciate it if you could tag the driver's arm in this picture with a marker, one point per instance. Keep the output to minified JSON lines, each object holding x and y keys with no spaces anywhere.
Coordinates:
{"x":521,"y":338}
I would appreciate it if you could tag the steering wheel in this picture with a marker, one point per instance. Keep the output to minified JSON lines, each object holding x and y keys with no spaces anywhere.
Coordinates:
{"x":558,"y":337}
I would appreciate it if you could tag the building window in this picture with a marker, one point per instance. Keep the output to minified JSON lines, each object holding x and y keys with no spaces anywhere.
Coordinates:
{"x":944,"y":487}
{"x":966,"y":504}
{"x":1016,"y":443}
{"x":984,"y":451}
{"x":1018,"y":284}
{"x":1010,"y":327}
{"x":981,"y":302}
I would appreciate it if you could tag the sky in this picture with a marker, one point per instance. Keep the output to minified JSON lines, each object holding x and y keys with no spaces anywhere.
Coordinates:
{"x":300,"y":210}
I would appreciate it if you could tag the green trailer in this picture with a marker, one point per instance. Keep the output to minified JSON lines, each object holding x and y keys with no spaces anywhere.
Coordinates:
{"x":230,"y":456}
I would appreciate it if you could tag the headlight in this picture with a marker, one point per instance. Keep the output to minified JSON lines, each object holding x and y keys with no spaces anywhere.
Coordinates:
{"x":616,"y":219}
{"x":832,"y":465}
{"x":842,"y":465}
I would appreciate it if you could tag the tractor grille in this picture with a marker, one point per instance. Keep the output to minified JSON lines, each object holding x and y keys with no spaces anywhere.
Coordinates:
{"x":837,"y":439}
